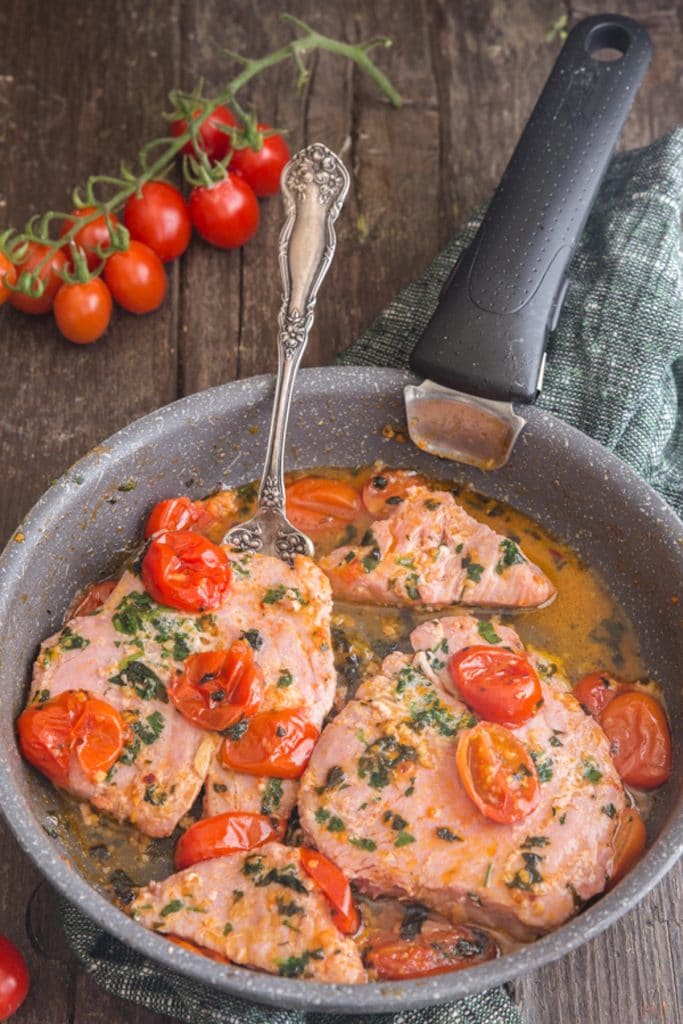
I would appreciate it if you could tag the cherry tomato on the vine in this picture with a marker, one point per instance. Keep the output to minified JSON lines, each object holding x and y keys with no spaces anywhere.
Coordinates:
{"x":261,"y":168}
{"x":36,"y":251}
{"x":172,"y":514}
{"x":136,"y":278}
{"x":158,"y":217}
{"x":215,"y":689}
{"x":92,"y":235}
{"x":226,"y":214}
{"x":498,"y":773}
{"x":214,"y":142}
{"x":640,"y":741}
{"x":434,"y":952}
{"x":272,"y":743}
{"x":498,"y":685}
{"x":335,"y":885}
{"x":14,"y":981}
{"x":318,"y":504}
{"x":91,"y":599}
{"x":223,"y":833}
{"x":8,"y":275}
{"x":184,"y":570}
{"x":82,"y":311}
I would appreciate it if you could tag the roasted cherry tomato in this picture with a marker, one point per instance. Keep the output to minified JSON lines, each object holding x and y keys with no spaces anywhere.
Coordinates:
{"x":318,"y":504}
{"x":261,"y":168}
{"x":13,"y":978}
{"x":335,"y":885}
{"x":629,"y":844}
{"x":498,"y":773}
{"x":73,"y":722}
{"x":184,"y":570}
{"x":158,"y":217}
{"x":225,"y":214}
{"x":640,"y":742}
{"x":172,"y":514}
{"x":201,"y":950}
{"x":214,"y":142}
{"x":92,"y":235}
{"x":8,"y":275}
{"x":34,"y":254}
{"x":595,"y":691}
{"x":91,"y":599}
{"x":136,"y":278}
{"x":217,"y":688}
{"x":435,"y":952}
{"x":222,"y":834}
{"x":83,"y":311}
{"x":387,"y":489}
{"x":498,"y":685}
{"x":273,"y":743}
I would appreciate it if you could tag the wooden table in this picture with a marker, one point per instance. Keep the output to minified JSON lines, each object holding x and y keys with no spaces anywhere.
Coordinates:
{"x":81,"y":87}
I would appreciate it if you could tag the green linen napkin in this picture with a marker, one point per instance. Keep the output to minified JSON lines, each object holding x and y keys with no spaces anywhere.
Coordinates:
{"x":615,"y":370}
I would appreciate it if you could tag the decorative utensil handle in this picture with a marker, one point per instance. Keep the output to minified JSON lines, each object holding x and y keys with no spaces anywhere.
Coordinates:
{"x":314,"y":186}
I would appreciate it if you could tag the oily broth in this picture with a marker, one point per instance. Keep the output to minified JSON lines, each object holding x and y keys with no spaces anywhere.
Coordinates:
{"x":583,"y":630}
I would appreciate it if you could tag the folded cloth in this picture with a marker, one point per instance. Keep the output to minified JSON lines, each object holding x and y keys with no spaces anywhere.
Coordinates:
{"x":615,"y":370}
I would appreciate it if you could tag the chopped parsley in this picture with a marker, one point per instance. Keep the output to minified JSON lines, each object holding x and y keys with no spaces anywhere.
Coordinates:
{"x":275,"y":594}
{"x":253,"y":638}
{"x":70,"y":641}
{"x":511,"y":555}
{"x":236,"y":731}
{"x":285,"y":877}
{"x":591,"y":772}
{"x":487,"y":632}
{"x":372,"y":560}
{"x":334,"y":778}
{"x":472,"y":569}
{"x":432,"y":504}
{"x":272,"y":796}
{"x":609,"y":809}
{"x":448,"y":836}
{"x":171,"y":908}
{"x":227,"y":928}
{"x":528,"y":876}
{"x":181,"y":648}
{"x":294,"y":966}
{"x":155,"y":796}
{"x":285,"y":679}
{"x":544,"y":769}
{"x":363,"y":844}
{"x":143,"y":680}
{"x":532,"y":841}
{"x":253,"y":866}
{"x":429,"y":712}
{"x":404,"y":838}
{"x":412,"y":587}
{"x":408,"y":563}
{"x":381,"y":757}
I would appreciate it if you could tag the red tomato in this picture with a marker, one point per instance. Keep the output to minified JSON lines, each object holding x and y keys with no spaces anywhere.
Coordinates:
{"x":274,"y":743}
{"x":217,"y":688}
{"x":629,"y":844}
{"x":159,"y":217}
{"x":387,"y":489}
{"x":91,"y":599}
{"x":640,"y":742}
{"x":172,"y":514}
{"x":185,"y":571}
{"x":222,"y":834}
{"x":202,"y":950}
{"x":498,"y":685}
{"x":73,"y":722}
{"x":318,"y":504}
{"x":214,"y":142}
{"x":136,"y":278}
{"x":8,"y":275}
{"x":226,"y":214}
{"x":261,"y":168}
{"x":498,"y":773}
{"x":335,"y":886}
{"x":34,"y":254}
{"x":435,"y":952}
{"x":92,"y":235}
{"x":13,"y":978}
{"x":83,"y":311}
{"x":596,"y":690}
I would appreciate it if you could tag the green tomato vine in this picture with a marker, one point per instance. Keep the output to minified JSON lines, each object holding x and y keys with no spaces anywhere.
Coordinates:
{"x":108,"y":193}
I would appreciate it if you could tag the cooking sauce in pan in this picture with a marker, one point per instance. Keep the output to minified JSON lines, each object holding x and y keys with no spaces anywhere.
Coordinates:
{"x":583,"y":630}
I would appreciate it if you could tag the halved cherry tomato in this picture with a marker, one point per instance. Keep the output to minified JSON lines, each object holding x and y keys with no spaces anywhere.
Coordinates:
{"x":261,"y":168}
{"x":172,"y":514}
{"x":222,"y":834}
{"x":14,"y":981}
{"x":73,"y":722}
{"x":136,"y":278}
{"x":158,"y":217}
{"x":34,"y":254}
{"x":498,"y":685}
{"x":640,"y":742}
{"x":184,"y":570}
{"x":274,"y":743}
{"x":92,"y":235}
{"x":217,"y":688}
{"x":318,"y":504}
{"x":435,"y":952}
{"x":629,"y":844}
{"x":387,"y":489}
{"x":225,"y":214}
{"x":91,"y":599}
{"x":335,"y":885}
{"x":215,"y":143}
{"x":202,"y":950}
{"x":8,"y":275}
{"x":595,"y":691}
{"x":82,"y":311}
{"x":498,"y":773}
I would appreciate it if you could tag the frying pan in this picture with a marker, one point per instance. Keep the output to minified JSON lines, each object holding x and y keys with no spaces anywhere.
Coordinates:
{"x":82,"y":527}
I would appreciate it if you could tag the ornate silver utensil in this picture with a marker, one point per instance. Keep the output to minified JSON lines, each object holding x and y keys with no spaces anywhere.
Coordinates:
{"x":314,"y":186}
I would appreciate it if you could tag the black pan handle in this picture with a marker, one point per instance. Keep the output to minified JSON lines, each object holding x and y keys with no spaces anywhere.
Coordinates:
{"x":490,"y":329}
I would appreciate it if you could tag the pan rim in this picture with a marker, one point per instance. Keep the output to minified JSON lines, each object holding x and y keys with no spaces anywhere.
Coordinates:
{"x":373,"y":997}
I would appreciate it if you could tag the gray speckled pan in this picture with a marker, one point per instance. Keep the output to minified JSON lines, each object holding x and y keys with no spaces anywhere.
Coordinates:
{"x":557,"y":475}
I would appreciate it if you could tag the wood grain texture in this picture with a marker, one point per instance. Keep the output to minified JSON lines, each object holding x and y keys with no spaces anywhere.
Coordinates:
{"x":82,"y":85}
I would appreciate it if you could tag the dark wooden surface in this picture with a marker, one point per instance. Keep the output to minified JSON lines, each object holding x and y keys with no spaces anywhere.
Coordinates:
{"x":81,"y":86}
